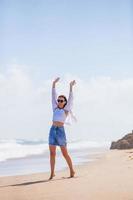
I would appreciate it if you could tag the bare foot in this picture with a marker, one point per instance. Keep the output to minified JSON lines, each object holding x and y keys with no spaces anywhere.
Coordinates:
{"x":51,"y":176}
{"x":72,"y":174}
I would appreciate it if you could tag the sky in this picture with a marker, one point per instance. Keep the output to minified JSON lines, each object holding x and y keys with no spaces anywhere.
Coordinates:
{"x":90,"y":41}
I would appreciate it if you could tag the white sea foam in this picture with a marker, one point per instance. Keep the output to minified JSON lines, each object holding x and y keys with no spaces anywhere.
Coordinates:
{"x":17,"y":148}
{"x":87,"y":144}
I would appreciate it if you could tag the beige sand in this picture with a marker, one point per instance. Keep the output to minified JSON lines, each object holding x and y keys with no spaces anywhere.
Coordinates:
{"x":108,"y":178}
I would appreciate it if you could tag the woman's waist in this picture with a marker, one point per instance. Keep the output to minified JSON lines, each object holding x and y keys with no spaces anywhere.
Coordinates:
{"x":58,"y":123}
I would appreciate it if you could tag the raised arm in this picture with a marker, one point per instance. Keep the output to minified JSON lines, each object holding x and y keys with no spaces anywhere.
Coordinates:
{"x":69,"y":104}
{"x":54,"y":95}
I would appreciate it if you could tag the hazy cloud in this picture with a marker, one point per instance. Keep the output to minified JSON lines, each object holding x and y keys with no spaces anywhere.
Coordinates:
{"x":103,"y":106}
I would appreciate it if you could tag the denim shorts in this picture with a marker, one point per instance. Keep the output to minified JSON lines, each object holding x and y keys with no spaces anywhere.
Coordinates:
{"x":57,"y":136}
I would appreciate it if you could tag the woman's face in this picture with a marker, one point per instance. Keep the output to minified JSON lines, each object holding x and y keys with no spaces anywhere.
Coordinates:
{"x":61,"y":102}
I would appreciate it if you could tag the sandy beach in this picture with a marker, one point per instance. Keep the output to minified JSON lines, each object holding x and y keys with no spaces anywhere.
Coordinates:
{"x":109,"y":177}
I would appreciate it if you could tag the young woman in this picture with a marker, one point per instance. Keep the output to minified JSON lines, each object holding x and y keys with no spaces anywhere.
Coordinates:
{"x":57,"y":137}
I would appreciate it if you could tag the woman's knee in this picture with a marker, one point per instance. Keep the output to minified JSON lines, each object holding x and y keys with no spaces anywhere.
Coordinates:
{"x":52,"y":153}
{"x":65,"y":154}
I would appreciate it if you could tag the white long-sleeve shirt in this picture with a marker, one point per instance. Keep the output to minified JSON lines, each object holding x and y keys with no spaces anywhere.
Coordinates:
{"x":58,"y":113}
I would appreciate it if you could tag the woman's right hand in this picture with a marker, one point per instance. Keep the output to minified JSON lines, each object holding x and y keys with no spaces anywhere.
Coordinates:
{"x":56,"y":80}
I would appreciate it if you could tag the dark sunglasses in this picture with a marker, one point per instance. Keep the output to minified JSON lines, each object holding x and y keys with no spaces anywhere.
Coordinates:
{"x":61,"y":101}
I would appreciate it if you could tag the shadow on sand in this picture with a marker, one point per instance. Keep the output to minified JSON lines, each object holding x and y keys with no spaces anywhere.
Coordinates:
{"x":41,"y":181}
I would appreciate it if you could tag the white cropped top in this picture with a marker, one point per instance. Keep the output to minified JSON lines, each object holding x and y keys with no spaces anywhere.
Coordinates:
{"x":59,"y":114}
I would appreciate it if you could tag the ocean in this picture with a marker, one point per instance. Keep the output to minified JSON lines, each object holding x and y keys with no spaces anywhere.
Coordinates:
{"x":21,"y":156}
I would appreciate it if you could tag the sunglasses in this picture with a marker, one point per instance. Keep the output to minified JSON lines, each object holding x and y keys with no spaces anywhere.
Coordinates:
{"x":61,"y":101}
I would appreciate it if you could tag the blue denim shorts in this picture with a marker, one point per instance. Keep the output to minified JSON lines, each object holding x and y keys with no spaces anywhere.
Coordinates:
{"x":57,"y":136}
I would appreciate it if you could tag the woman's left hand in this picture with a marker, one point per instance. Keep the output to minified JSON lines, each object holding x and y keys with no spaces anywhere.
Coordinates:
{"x":72,"y":83}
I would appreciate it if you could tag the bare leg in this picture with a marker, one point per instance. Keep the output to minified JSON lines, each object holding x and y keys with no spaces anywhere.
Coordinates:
{"x":52,"y":149}
{"x":68,"y":159}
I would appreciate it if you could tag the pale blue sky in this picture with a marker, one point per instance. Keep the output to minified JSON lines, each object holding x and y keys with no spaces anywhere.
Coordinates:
{"x":86,"y":38}
{"x":90,"y":40}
